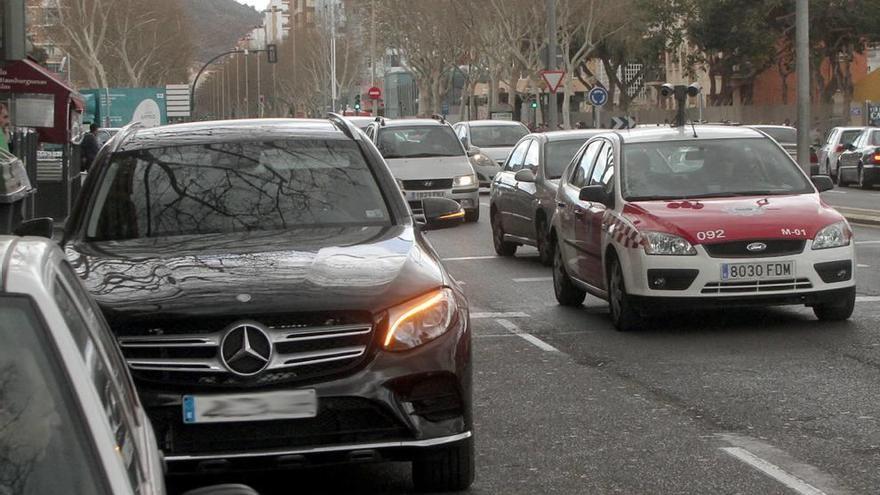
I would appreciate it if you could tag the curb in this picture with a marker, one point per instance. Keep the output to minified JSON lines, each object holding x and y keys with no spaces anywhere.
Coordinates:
{"x":860,"y":216}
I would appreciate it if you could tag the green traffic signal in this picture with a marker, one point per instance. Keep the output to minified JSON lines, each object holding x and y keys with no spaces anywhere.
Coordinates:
{"x":534,"y":104}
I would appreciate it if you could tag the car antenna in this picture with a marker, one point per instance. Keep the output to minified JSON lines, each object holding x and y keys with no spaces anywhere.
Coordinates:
{"x":694,"y":128}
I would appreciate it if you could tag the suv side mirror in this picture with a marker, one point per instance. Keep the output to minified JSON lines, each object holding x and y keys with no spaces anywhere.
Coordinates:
{"x":40,"y":227}
{"x":849,"y":147}
{"x":229,"y":489}
{"x":441,"y":213}
{"x":473,"y":151}
{"x":822,"y":182}
{"x":595,"y":194}
{"x":524,"y":175}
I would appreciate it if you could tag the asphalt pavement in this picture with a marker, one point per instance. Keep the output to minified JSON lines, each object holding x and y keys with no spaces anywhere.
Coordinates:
{"x":760,"y":401}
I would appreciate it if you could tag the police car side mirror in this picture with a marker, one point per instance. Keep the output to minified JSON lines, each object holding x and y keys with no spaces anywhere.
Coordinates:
{"x":595,"y":194}
{"x":822,"y":182}
{"x":39,"y":227}
{"x":524,"y":175}
{"x":472,"y":151}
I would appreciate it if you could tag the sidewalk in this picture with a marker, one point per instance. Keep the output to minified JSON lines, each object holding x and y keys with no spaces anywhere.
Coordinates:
{"x":861,"y":216}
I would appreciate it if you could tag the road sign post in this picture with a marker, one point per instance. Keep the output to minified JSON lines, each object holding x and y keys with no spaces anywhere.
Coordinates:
{"x":375,"y":94}
{"x":597,"y":97}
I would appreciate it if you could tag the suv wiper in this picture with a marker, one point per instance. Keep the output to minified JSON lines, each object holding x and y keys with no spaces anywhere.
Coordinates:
{"x":427,"y":155}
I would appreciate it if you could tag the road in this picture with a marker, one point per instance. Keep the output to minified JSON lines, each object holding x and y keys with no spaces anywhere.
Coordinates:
{"x":727,"y":402}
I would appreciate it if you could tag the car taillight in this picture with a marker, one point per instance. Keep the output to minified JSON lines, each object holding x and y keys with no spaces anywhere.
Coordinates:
{"x":814,"y":158}
{"x":875,"y":157}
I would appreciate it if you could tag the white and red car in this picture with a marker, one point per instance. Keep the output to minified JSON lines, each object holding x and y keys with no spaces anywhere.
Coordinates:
{"x":659,"y":219}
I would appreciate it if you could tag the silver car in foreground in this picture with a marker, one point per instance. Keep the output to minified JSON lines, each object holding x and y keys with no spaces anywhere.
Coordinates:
{"x":70,"y":420}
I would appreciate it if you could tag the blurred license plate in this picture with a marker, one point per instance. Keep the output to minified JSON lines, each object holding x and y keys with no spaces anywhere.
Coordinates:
{"x":757,"y":271}
{"x":264,"y":406}
{"x":427,"y":194}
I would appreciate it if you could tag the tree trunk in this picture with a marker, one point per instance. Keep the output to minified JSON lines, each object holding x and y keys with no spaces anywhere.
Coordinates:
{"x":566,"y":100}
{"x":424,"y":98}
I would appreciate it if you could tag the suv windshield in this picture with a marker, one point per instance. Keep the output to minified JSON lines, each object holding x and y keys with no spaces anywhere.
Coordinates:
{"x":43,"y":448}
{"x":418,"y":142}
{"x":236,"y":187}
{"x":485,"y":136}
{"x":709,"y":168}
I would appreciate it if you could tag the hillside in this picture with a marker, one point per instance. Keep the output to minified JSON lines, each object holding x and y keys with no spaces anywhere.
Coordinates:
{"x":218,"y":24}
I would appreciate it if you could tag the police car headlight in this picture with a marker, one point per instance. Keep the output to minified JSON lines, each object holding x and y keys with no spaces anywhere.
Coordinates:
{"x":481,"y":160}
{"x":464,"y":180}
{"x":419,"y":321}
{"x":661,"y":243}
{"x":835,"y":235}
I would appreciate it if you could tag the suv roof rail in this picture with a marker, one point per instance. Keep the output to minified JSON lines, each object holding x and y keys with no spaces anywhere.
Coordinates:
{"x":125,"y":133}
{"x":343,"y":124}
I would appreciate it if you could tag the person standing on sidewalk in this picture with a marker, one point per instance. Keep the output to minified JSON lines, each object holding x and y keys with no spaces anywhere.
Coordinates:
{"x":90,"y":147}
{"x":5,"y":124}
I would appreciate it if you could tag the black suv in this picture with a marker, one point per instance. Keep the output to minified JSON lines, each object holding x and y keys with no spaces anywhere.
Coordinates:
{"x":275,"y":300}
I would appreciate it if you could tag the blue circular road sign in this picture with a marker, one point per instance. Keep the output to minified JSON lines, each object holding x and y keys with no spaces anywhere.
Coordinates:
{"x":598,"y":96}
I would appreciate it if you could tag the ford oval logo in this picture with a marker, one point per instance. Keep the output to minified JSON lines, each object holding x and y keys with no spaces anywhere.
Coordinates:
{"x":756,"y":247}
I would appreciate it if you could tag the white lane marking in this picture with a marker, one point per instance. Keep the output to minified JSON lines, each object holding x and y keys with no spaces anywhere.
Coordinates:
{"x":478,"y":316}
{"x":485,"y":205}
{"x":863,"y":243}
{"x":540,"y":344}
{"x":469,"y":258}
{"x":863,"y":299}
{"x":533,"y":279}
{"x":773,"y":471}
{"x":863,"y":266}
{"x":835,"y":191}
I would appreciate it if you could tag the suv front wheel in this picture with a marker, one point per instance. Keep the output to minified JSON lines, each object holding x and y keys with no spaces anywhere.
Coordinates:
{"x":448,"y":470}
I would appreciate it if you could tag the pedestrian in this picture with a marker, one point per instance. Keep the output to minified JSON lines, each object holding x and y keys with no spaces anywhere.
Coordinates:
{"x":89,"y":147}
{"x":787,"y":123}
{"x":5,"y":125}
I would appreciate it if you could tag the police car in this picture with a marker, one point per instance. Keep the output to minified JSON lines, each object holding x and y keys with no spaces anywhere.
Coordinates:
{"x":664,"y":218}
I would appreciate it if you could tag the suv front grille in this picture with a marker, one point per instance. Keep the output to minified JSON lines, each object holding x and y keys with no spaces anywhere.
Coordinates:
{"x":340,"y":420}
{"x":739,"y":249}
{"x":751,"y":287}
{"x":299,"y":353}
{"x":427,"y":184}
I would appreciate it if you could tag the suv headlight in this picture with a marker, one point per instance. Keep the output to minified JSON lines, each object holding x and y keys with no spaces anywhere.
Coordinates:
{"x":481,"y":160}
{"x":835,"y":235}
{"x":419,"y":321}
{"x":662,"y":243}
{"x":464,"y":180}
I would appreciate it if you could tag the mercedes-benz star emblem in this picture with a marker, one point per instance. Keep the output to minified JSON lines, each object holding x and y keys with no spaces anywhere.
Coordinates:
{"x":246,"y":349}
{"x":756,"y":247}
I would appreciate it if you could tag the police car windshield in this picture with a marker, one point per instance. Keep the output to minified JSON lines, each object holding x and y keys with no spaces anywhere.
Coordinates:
{"x":709,"y":168}
{"x":418,"y":142}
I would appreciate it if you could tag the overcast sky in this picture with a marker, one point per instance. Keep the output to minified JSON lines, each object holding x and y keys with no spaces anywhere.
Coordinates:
{"x":259,"y":4}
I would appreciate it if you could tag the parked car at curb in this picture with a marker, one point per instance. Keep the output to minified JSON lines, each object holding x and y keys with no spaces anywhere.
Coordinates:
{"x":835,"y":144}
{"x":859,"y":162}
{"x":494,"y":138}
{"x":428,"y":161}
{"x":269,"y":274}
{"x":70,"y":419}
{"x":522,"y":199}
{"x":659,"y":220}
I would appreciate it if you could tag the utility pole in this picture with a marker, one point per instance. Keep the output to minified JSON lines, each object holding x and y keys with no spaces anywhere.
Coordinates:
{"x":373,"y":54}
{"x":237,"y":85}
{"x":552,"y":111}
{"x":259,"y":85}
{"x":247,"y":88}
{"x":804,"y":96}
{"x":333,"y":90}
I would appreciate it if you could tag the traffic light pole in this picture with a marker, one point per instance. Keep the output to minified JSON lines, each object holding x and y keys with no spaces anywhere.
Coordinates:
{"x":802,"y":46}
{"x":552,"y":111}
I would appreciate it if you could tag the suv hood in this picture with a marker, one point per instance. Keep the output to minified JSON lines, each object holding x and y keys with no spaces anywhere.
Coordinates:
{"x":747,"y":218}
{"x":324,"y":269}
{"x":434,"y":167}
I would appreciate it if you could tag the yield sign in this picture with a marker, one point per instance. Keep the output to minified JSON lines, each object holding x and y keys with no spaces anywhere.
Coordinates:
{"x":553,"y":78}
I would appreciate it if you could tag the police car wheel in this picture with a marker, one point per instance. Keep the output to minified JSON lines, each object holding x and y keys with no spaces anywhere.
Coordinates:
{"x":545,"y":244}
{"x":566,"y":292}
{"x":838,"y":310}
{"x":624,"y":315}
{"x":472,"y":216}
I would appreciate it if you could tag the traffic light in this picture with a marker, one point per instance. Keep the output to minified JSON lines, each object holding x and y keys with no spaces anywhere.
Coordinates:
{"x":534,"y":103}
{"x":272,"y":53}
{"x":357,"y":102}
